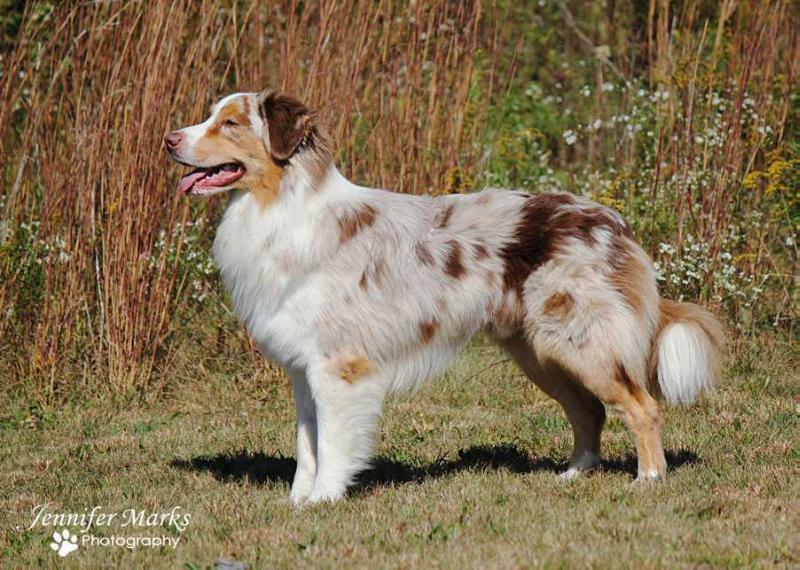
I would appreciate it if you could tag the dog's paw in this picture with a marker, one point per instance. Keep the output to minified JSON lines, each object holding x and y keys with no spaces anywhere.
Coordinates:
{"x":571,"y":474}
{"x":325,"y":495}
{"x":649,"y":476}
{"x":301,"y":489}
{"x":580,"y":467}
{"x":298,"y":499}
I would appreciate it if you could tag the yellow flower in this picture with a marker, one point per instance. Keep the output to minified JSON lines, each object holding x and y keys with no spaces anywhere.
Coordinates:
{"x":457,"y":180}
{"x":617,"y":205}
{"x":750,"y":181}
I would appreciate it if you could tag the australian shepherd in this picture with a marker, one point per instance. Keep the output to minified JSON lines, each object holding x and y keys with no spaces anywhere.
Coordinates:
{"x":358,"y":292}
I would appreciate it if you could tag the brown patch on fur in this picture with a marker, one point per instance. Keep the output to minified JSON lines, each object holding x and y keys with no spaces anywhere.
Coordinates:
{"x":545,"y":225}
{"x":424,"y":254}
{"x":353,"y":222}
{"x":624,"y":378}
{"x":266,"y":188}
{"x":427,"y":329}
{"x":351,"y":369}
{"x":288,"y":122}
{"x":481,"y":251}
{"x":374,"y":272}
{"x":532,"y":244}
{"x":627,"y":273}
{"x":443,"y":218}
{"x":453,"y":264}
{"x":559,"y":305}
{"x":482,"y":199}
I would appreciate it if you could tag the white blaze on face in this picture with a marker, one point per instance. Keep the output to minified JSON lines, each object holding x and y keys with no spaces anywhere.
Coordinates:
{"x":198,"y":131}
{"x":218,"y":158}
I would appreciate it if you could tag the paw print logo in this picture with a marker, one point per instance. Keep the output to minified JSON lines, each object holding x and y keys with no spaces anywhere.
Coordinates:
{"x":64,"y":542}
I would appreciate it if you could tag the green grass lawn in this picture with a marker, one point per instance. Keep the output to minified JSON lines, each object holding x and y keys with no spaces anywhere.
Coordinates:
{"x":465,"y":476}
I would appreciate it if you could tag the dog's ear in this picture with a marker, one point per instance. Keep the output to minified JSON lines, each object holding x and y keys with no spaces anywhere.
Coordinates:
{"x":288,"y":122}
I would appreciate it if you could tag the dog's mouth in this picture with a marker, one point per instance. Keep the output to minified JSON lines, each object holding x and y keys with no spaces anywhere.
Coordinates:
{"x":203,"y":180}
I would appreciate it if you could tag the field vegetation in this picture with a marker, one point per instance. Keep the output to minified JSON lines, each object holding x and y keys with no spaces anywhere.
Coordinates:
{"x":123,"y":372}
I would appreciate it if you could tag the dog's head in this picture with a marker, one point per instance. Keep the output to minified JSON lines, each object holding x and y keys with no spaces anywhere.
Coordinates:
{"x":248,"y":142}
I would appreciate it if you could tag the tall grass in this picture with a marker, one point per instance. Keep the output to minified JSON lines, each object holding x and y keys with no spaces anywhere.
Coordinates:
{"x":91,"y":269}
{"x":683,"y":115}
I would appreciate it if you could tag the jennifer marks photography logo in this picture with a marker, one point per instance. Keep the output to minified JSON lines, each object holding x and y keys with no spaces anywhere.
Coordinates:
{"x":120,"y":529}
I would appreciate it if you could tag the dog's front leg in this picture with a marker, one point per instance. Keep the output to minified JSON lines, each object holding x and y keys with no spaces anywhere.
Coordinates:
{"x":306,"y":439}
{"x":347,"y":417}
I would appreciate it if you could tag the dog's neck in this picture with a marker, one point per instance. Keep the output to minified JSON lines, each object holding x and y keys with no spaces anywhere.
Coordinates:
{"x":301,"y":216}
{"x":266,"y":252}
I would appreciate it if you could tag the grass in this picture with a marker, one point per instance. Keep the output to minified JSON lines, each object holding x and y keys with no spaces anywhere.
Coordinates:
{"x":465,"y":476}
{"x":684,"y":116}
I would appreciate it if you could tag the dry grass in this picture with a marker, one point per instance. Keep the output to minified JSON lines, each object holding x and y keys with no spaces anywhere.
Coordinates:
{"x":465,"y":478}
{"x":88,"y":290}
{"x":96,"y":276}
{"x":120,"y":388}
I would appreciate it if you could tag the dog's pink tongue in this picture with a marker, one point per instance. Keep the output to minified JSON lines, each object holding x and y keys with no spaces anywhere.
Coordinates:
{"x":185,"y":184}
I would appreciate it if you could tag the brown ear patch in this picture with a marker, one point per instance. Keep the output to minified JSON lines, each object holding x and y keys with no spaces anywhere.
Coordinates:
{"x":288,"y":122}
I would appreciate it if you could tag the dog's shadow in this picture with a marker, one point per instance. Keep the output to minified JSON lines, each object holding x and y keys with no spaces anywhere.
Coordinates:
{"x":261,"y":468}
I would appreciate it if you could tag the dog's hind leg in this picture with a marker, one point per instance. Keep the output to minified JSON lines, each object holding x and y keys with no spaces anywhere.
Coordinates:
{"x":306,"y":439}
{"x":348,"y":407}
{"x":601,"y":370}
{"x":618,"y":387}
{"x":584,"y":411}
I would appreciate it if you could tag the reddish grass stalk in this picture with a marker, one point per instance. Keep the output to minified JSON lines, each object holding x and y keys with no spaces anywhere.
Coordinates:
{"x":81,"y":151}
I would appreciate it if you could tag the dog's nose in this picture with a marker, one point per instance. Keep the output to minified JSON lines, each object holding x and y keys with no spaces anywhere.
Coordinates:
{"x":173,"y":139}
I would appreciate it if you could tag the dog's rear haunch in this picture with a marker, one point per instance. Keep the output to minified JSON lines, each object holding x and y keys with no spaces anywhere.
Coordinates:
{"x":360,"y":292}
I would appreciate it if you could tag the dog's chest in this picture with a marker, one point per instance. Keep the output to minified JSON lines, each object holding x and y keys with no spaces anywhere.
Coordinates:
{"x":256,"y":268}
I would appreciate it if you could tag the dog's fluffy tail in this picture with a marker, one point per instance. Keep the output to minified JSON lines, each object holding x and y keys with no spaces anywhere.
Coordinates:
{"x":687,"y":352}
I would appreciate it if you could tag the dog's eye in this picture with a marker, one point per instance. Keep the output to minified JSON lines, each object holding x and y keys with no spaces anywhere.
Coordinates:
{"x":230,"y":123}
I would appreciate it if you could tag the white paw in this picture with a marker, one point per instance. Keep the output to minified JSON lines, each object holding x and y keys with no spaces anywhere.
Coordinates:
{"x":572,"y":473}
{"x":301,"y":489}
{"x":580,"y":466}
{"x":325,"y":495}
{"x":647,"y":476}
{"x":298,"y":498}
{"x":64,"y":543}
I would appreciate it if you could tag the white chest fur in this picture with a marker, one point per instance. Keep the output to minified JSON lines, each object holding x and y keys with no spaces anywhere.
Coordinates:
{"x":267,"y":256}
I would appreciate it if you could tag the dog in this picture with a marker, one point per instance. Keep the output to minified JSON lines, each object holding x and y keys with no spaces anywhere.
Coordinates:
{"x":359,"y":293}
